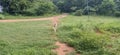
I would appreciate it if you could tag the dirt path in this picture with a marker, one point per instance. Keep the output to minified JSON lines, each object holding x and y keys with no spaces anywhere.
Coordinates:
{"x":35,"y":19}
{"x":63,"y":48}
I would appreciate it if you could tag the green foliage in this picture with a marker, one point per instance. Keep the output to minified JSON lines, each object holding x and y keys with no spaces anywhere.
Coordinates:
{"x":111,"y":27}
{"x":78,"y":12}
{"x":85,"y":40}
{"x":107,"y":7}
{"x":117,"y":14}
{"x":98,"y":36}
{"x":41,"y":7}
{"x":2,"y":16}
{"x":46,"y":7}
{"x":100,"y":7}
{"x":15,"y":6}
{"x":64,"y":5}
{"x":28,"y":7}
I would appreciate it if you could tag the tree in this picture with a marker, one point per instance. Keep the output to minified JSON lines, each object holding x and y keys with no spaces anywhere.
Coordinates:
{"x":15,"y":6}
{"x":107,"y":7}
{"x":117,"y":5}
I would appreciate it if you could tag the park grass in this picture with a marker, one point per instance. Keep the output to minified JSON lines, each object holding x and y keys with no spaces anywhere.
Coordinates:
{"x":96,"y":35}
{"x":26,"y":38}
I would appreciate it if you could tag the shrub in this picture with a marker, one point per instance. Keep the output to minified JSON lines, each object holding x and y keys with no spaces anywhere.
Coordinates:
{"x":2,"y":16}
{"x":45,"y":8}
{"x":88,"y":43}
{"x":78,"y":12}
{"x":91,"y":43}
{"x":117,"y":14}
{"x":67,"y":27}
{"x":111,"y":27}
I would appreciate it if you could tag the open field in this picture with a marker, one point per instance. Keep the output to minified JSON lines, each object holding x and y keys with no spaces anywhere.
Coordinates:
{"x":93,"y":36}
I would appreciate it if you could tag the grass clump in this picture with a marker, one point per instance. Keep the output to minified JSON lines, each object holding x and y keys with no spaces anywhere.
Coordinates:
{"x":113,"y":27}
{"x":91,"y":37}
{"x":2,"y":16}
{"x":78,"y":12}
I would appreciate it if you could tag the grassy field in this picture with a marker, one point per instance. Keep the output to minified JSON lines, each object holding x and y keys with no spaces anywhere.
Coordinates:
{"x":96,"y":35}
{"x":26,"y":38}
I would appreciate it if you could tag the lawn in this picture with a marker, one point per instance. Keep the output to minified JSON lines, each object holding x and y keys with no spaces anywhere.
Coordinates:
{"x":26,"y":38}
{"x":96,"y":35}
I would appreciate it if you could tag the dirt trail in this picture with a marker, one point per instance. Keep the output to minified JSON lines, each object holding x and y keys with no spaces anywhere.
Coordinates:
{"x":35,"y":19}
{"x":63,"y":49}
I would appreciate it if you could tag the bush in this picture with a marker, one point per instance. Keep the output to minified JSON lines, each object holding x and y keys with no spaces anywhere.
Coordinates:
{"x":28,"y":7}
{"x":117,"y":14}
{"x":2,"y":16}
{"x":45,"y":8}
{"x":90,"y":42}
{"x":78,"y":12}
{"x":110,"y":27}
{"x":86,"y":41}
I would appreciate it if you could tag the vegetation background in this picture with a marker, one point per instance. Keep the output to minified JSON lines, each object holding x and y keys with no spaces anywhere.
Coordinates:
{"x":41,"y":7}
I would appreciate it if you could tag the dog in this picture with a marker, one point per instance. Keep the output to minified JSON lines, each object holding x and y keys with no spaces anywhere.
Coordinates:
{"x":55,"y":22}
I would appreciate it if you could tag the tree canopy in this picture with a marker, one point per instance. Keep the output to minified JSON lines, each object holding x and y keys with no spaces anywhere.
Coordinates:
{"x":101,"y":7}
{"x":40,"y":7}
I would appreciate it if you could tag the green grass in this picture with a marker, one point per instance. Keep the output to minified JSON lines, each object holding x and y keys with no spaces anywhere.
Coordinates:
{"x":26,"y":38}
{"x":96,"y":35}
{"x":27,"y":17}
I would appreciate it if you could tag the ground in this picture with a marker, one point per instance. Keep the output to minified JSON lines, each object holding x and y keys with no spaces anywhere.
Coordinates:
{"x":21,"y":37}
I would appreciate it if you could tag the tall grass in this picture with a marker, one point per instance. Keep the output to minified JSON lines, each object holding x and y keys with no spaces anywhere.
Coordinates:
{"x":97,"y":35}
{"x":2,"y":16}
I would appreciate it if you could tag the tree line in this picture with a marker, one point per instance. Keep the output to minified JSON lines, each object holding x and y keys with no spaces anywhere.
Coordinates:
{"x":81,"y":7}
{"x":28,"y":7}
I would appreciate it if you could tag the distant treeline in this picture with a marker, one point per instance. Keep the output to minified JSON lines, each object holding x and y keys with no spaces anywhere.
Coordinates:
{"x":28,"y":7}
{"x":40,"y":7}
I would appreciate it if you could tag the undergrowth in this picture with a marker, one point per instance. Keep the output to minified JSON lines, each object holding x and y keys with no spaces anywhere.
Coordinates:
{"x":98,"y":36}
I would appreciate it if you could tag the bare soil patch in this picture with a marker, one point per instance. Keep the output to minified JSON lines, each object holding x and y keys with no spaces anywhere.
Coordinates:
{"x":63,"y":48}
